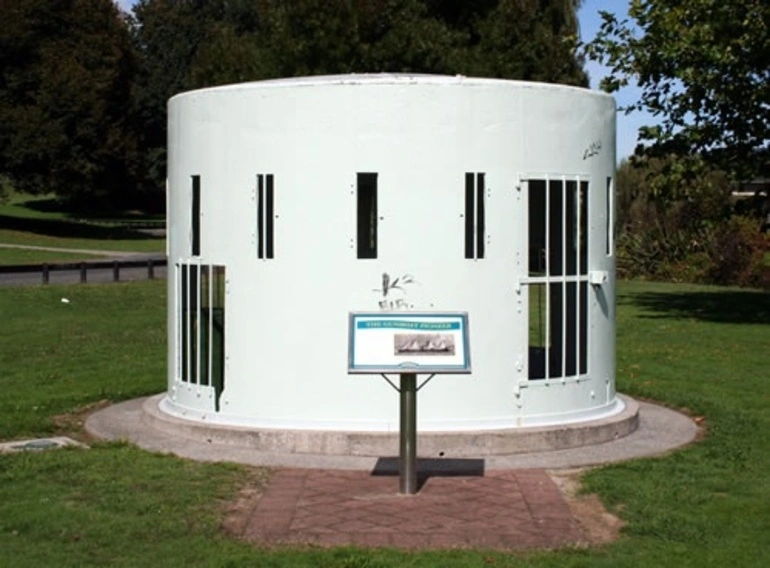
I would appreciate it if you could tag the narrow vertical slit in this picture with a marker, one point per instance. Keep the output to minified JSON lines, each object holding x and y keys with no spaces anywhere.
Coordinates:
{"x":269,"y":216}
{"x":572,"y":355}
{"x":564,"y":269}
{"x":579,"y":236}
{"x":196,"y":215}
{"x":539,"y":341}
{"x":218,"y":332}
{"x":260,"y":215}
{"x":182,"y":321}
{"x":188,"y":324}
{"x":584,"y":227}
{"x":537,"y":252}
{"x":610,"y":215}
{"x":168,"y":208}
{"x":576,"y":220}
{"x":556,"y":259}
{"x":470,"y":251}
{"x":204,"y":319}
{"x":366,"y":205}
{"x":480,"y":215}
{"x":210,"y":276}
{"x":177,"y":321}
{"x":583,"y":328}
{"x":548,"y":274}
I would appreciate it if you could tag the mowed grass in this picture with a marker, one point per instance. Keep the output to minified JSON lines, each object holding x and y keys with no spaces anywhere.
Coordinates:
{"x":699,"y":348}
{"x":40,"y":221}
{"x":101,"y":239}
{"x":107,"y":342}
{"x":10,"y":256}
{"x":707,"y":350}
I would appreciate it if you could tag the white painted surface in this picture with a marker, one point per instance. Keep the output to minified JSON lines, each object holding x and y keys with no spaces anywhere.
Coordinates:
{"x":286,"y":317}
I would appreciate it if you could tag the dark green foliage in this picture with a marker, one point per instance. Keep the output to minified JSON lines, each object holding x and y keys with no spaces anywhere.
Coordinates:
{"x":529,"y":40}
{"x":167,"y":36}
{"x":737,"y":254}
{"x":186,"y":44}
{"x":66,"y":73}
{"x":685,"y":230}
{"x":702,"y":67}
{"x":84,"y":88}
{"x":5,"y":189}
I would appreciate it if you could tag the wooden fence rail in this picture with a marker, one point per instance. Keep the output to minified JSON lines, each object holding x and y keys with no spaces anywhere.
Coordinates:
{"x":82,"y":268}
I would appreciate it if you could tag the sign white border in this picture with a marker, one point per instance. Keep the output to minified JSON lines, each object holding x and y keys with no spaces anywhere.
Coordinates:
{"x":408,"y":342}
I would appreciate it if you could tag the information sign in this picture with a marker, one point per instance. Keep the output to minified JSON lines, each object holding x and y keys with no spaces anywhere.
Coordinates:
{"x":409,"y":342}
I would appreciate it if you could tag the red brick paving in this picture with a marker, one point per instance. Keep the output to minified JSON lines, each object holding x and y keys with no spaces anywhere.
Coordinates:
{"x":512,"y":509}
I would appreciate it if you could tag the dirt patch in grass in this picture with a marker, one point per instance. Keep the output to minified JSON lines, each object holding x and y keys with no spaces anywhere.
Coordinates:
{"x":71,"y":424}
{"x":599,"y":525}
{"x":236,"y":513}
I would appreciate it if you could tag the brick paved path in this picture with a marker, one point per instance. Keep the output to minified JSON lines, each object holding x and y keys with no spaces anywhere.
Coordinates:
{"x":496,"y":510}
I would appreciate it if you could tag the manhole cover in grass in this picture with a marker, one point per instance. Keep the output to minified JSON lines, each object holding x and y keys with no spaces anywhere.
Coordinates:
{"x":38,"y":444}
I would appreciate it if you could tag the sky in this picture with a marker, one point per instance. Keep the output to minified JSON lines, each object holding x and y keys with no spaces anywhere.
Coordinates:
{"x":588,"y":15}
{"x":627,"y":125}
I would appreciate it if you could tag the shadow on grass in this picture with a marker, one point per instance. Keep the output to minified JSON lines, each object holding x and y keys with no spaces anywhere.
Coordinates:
{"x":53,"y":205}
{"x":71,"y":229}
{"x":728,"y":306}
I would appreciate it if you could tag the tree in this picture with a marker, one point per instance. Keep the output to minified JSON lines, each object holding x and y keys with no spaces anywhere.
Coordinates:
{"x":187,"y":44}
{"x":533,"y":40}
{"x":702,"y":66}
{"x":167,"y":35}
{"x":65,"y":73}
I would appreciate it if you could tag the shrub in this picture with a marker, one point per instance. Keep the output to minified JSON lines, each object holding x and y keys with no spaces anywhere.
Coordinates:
{"x":663,"y":246}
{"x":663,"y":243}
{"x":737,"y":254}
{"x":5,"y":189}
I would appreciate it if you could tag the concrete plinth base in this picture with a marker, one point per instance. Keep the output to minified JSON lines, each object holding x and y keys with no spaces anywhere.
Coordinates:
{"x":643,"y":429}
{"x":431,"y":444}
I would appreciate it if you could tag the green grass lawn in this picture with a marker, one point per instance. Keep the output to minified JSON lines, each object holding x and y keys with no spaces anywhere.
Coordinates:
{"x":10,"y":256}
{"x":40,"y":221}
{"x":99,"y":240}
{"x":701,"y":348}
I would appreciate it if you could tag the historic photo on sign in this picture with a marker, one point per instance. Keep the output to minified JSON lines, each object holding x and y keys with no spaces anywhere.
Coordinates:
{"x":424,"y":344}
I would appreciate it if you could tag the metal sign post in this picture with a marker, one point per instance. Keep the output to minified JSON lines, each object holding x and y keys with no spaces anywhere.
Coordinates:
{"x":408,"y":343}
{"x":407,"y":456}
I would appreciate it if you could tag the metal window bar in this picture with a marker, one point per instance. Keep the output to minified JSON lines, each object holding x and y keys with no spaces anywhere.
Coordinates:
{"x":577,"y":277}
